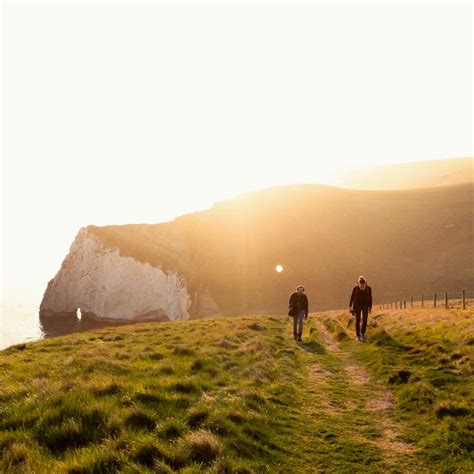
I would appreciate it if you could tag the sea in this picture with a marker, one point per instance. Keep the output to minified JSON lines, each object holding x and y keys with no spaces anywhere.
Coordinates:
{"x":20,"y":325}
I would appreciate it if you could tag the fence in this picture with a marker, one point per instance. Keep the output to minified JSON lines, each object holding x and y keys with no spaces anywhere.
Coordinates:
{"x":452,"y":299}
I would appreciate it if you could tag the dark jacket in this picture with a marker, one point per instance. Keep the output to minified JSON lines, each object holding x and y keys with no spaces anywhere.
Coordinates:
{"x":299,"y":302}
{"x":361,"y":298}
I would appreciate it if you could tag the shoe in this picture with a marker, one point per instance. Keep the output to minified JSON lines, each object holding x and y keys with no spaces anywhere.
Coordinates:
{"x":358,"y":338}
{"x":362,"y":337}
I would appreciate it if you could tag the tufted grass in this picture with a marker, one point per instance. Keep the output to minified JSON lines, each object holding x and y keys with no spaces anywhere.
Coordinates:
{"x":234,"y":396}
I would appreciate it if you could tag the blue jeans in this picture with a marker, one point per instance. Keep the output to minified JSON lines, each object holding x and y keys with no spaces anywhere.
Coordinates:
{"x":298,"y":323}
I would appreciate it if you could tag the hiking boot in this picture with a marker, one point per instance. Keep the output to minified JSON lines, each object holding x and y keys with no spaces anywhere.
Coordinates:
{"x":362,"y":337}
{"x":358,"y":338}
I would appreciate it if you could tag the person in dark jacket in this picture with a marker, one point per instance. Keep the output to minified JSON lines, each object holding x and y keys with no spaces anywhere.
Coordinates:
{"x":299,"y":303}
{"x":361,"y":304}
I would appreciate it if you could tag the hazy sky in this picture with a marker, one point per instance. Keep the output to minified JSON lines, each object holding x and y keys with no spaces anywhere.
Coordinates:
{"x":137,"y":112}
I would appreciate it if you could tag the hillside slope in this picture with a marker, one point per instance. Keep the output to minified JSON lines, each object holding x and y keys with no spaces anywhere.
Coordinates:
{"x":420,"y":174}
{"x":405,"y":242}
{"x":238,"y":395}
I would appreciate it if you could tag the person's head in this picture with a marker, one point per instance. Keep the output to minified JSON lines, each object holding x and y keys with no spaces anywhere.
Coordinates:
{"x":362,"y":282}
{"x":300,"y":289}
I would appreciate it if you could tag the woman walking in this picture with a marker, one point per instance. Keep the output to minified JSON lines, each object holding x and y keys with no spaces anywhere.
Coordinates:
{"x":298,"y":308}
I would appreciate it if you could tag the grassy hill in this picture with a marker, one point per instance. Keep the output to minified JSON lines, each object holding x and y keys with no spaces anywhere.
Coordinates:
{"x":419,"y":174}
{"x":238,"y":395}
{"x":323,"y":236}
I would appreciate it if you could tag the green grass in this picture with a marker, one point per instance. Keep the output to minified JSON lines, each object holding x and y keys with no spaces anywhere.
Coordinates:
{"x":238,"y":395}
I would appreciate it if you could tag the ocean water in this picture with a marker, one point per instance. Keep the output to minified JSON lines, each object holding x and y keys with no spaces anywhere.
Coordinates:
{"x":18,"y":325}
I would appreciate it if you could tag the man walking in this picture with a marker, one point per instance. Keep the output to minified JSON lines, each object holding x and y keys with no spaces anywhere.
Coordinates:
{"x":298,"y":305}
{"x":361,"y":303}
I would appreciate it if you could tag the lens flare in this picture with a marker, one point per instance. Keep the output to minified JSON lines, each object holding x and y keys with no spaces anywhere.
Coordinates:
{"x":279,"y":268}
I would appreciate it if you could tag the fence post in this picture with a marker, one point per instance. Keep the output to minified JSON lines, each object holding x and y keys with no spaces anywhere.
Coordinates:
{"x":463,"y":299}
{"x":411,"y":301}
{"x":422,"y":301}
{"x":404,"y":305}
{"x":396,"y":304}
{"x":446,"y":299}
{"x":434,"y":300}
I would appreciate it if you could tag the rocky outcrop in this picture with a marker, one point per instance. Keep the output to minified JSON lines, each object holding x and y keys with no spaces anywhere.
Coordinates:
{"x":106,"y":285}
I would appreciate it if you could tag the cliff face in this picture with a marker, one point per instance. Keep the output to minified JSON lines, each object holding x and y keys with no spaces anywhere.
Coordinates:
{"x":222,"y":260}
{"x":107,"y":285}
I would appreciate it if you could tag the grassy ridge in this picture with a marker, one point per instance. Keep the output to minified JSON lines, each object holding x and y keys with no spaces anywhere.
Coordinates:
{"x":238,"y":395}
{"x":426,"y":357}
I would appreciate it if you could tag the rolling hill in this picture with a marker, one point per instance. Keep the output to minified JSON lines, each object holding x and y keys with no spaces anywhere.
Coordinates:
{"x":238,"y":395}
{"x":413,"y":175}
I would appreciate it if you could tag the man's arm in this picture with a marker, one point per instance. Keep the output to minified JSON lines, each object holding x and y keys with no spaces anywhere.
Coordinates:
{"x":306,"y":306}
{"x":352,"y":298}
{"x":370,"y":298}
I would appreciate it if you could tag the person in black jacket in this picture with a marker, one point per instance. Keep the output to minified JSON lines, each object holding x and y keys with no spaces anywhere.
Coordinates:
{"x":299,"y":303}
{"x":361,"y":303}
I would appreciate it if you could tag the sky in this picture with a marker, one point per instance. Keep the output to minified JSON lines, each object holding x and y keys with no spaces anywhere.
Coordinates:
{"x":117,"y":113}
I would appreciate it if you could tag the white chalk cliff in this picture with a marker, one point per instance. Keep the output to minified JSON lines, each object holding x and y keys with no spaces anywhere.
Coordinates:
{"x":106,"y":285}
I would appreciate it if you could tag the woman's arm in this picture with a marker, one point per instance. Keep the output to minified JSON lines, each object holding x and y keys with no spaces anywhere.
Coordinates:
{"x":292,"y":298}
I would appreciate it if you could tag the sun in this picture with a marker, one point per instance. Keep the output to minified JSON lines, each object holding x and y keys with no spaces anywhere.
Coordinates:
{"x":279,"y":268}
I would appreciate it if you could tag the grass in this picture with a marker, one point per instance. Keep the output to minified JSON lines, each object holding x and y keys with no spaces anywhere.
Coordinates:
{"x":238,"y":395}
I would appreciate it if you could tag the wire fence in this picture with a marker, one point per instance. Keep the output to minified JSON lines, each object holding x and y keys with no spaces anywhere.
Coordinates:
{"x":446,"y":299}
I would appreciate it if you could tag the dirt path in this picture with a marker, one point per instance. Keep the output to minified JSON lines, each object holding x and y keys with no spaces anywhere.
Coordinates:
{"x":357,"y":408}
